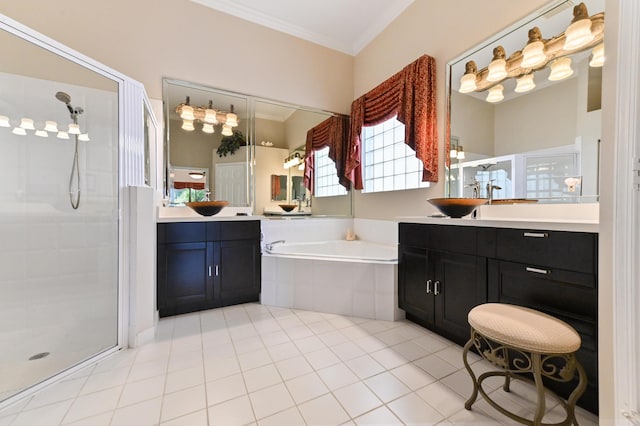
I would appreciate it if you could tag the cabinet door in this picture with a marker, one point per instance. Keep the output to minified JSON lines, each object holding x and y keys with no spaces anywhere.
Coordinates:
{"x":412,"y":285}
{"x":239,"y":269}
{"x":184,"y":284}
{"x":461,"y":284}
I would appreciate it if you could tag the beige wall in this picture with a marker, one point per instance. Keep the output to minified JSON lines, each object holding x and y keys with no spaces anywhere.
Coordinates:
{"x":151,"y":39}
{"x":473,"y":124}
{"x":271,"y":131}
{"x":444,"y":32}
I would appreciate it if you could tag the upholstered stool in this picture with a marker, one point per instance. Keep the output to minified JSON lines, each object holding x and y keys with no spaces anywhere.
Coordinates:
{"x":520,"y":341}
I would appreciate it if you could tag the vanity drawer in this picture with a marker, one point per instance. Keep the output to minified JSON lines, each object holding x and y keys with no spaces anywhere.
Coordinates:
{"x":181,"y":232}
{"x":573,"y":251}
{"x":448,"y":238}
{"x":241,"y":230}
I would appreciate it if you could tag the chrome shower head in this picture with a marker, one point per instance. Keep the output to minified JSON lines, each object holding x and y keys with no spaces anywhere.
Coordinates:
{"x":63,"y":97}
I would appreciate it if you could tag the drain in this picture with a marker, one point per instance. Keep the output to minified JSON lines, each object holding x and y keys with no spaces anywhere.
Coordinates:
{"x":38,"y":356}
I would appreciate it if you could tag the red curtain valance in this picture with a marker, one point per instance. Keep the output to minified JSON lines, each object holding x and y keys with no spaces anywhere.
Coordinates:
{"x":332,"y":132}
{"x":411,"y":95}
{"x":185,"y":185}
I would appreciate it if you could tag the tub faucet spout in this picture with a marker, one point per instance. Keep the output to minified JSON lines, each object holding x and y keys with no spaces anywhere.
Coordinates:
{"x":269,"y":246}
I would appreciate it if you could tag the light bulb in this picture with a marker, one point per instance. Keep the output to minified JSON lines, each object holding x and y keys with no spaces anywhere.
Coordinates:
{"x":578,"y":34}
{"x":453,"y":153}
{"x":42,"y":134}
{"x":460,"y":153}
{"x":226,"y":130}
{"x":4,"y":121}
{"x":208,"y":128}
{"x":301,"y":167}
{"x":210,"y":116}
{"x":560,"y":69}
{"x":51,"y":126}
{"x":84,"y":137}
{"x":525,"y":83}
{"x":187,"y":125}
{"x":27,"y":124}
{"x":495,"y":93}
{"x":468,"y":80}
{"x":186,"y":113}
{"x":498,"y":65}
{"x":63,"y":135}
{"x":74,"y":129}
{"x":19,"y":131}
{"x":232,"y":120}
{"x":597,"y":58}
{"x":533,"y":55}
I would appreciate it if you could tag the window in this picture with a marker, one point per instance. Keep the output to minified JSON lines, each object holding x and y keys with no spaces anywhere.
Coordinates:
{"x":546,"y":175}
{"x":326,"y":177}
{"x":389,"y":164}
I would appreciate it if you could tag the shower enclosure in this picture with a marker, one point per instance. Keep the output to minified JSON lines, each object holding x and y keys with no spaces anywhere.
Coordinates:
{"x":61,"y":230}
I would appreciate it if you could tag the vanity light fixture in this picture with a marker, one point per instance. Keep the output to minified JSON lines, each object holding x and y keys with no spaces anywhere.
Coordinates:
{"x":468,"y":80}
{"x":560,"y":69}
{"x":525,"y":83}
{"x":84,"y":137}
{"x":583,"y":33}
{"x":460,"y":155}
{"x":19,"y":131}
{"x":196,"y":175}
{"x":4,"y":121}
{"x":578,"y":34}
{"x":63,"y":135}
{"x":208,"y":116}
{"x":293,"y":160}
{"x":453,"y":153}
{"x":41,"y":133}
{"x":496,"y":93}
{"x":498,"y":66}
{"x":597,"y":56}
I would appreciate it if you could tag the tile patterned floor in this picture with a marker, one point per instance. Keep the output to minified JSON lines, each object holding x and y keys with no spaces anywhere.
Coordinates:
{"x":257,"y":365}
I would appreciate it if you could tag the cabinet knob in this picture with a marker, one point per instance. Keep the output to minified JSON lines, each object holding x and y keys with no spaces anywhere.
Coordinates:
{"x":436,"y":288}
{"x":429,"y":286}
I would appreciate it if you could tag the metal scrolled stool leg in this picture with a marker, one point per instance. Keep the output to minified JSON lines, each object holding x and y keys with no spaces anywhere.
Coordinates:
{"x":520,"y":340}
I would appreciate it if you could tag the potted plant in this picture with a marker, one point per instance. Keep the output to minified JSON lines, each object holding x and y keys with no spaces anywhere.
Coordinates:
{"x":230,"y":144}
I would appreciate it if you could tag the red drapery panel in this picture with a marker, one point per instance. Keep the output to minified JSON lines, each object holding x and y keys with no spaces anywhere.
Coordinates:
{"x":185,"y":185}
{"x":275,"y":186}
{"x":411,"y":95}
{"x":334,"y":133}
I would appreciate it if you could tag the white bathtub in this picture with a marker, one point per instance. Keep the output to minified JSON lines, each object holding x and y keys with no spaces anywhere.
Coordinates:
{"x":339,"y":251}
{"x":355,"y":278}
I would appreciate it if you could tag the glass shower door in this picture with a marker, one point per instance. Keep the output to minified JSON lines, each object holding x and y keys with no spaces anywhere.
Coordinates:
{"x":59,"y":213}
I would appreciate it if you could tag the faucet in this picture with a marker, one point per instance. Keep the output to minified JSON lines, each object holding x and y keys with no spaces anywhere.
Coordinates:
{"x":475,"y":188}
{"x":490,"y":188}
{"x":269,"y":246}
{"x":207,"y":196}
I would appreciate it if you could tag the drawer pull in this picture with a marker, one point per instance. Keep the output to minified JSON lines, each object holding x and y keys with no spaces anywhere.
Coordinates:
{"x":436,"y":288}
{"x":217,"y":270}
{"x":209,"y":270}
{"x":536,"y":234}
{"x":429,"y":286}
{"x":538,"y":270}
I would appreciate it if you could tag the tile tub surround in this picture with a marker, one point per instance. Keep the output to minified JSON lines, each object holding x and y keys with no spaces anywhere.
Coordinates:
{"x":366,"y":290}
{"x":254,"y":364}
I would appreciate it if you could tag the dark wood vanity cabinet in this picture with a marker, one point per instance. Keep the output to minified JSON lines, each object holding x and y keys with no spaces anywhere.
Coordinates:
{"x":552,"y":271}
{"x":441,"y":278}
{"x":203,"y":265}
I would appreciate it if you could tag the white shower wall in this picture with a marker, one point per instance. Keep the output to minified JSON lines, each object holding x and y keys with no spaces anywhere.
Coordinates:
{"x":58,"y":266}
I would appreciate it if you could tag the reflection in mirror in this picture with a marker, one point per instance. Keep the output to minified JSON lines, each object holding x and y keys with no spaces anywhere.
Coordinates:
{"x":271,"y":131}
{"x":278,"y":187}
{"x":194,"y":143}
{"x":528,"y":142}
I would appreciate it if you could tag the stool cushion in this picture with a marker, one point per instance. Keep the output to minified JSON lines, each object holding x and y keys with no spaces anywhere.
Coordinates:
{"x":524,"y":328}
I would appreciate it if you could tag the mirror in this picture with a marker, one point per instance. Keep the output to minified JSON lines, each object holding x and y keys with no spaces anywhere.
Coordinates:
{"x":253,"y":175}
{"x":541,"y":145}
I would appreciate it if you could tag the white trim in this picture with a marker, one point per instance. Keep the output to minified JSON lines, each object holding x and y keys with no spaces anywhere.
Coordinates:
{"x":627,"y":216}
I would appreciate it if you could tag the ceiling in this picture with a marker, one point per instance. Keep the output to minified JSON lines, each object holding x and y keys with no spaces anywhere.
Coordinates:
{"x":343,"y":25}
